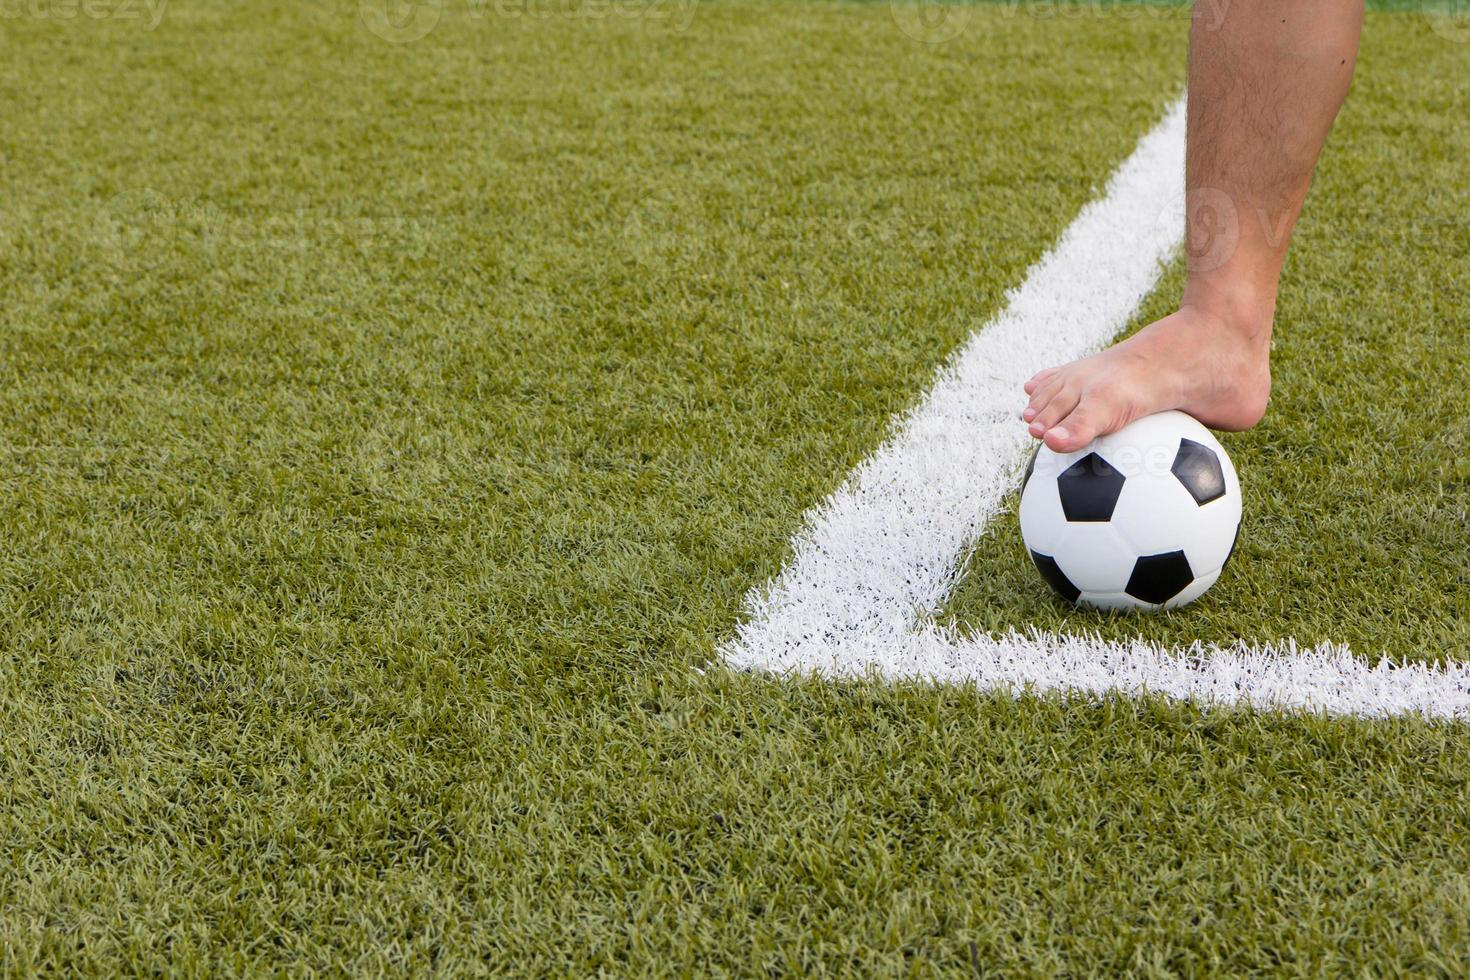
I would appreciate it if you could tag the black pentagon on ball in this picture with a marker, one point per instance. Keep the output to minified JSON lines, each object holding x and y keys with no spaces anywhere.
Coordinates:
{"x":1055,"y":577}
{"x":1090,"y":489}
{"x":1159,"y":578}
{"x":1030,"y":467}
{"x":1198,"y":468}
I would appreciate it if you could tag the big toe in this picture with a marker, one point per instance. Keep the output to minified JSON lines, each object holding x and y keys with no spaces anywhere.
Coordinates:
{"x":1076,"y":430}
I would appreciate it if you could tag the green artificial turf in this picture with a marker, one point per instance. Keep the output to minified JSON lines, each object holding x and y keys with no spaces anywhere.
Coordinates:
{"x":390,"y":432}
{"x":1357,"y":484}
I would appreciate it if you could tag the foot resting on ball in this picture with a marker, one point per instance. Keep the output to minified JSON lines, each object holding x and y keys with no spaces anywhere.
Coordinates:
{"x":1218,"y":372}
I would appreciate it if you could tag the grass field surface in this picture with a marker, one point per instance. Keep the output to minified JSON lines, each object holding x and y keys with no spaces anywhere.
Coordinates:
{"x":1358,"y":482}
{"x":392,"y":428}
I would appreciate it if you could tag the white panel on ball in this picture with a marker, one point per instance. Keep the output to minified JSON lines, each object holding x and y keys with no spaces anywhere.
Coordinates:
{"x":1143,"y":518}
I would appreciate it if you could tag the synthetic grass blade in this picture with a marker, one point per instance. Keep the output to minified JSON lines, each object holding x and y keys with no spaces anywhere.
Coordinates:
{"x":878,"y":559}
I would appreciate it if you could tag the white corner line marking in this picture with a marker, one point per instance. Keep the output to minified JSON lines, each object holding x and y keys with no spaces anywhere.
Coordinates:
{"x":876,"y":561}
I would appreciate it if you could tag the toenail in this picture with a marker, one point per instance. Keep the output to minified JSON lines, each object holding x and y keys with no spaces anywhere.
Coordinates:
{"x":1029,"y":414}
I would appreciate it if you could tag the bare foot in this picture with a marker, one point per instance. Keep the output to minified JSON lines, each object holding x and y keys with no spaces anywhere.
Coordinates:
{"x":1218,"y":372}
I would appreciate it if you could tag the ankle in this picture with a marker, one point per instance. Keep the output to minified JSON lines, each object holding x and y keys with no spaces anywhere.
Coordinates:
{"x":1246,"y":313}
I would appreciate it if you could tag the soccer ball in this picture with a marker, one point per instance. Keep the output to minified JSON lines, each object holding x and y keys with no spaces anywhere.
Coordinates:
{"x":1145,"y":518}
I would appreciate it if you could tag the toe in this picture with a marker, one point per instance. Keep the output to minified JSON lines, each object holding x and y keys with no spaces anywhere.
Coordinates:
{"x":1060,"y":405}
{"x":1077,"y":428}
{"x":1061,"y":439}
{"x":1037,"y":379}
{"x":1041,"y":397}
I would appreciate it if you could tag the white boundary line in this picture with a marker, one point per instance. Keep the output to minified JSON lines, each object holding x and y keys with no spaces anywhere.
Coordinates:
{"x":877,"y":559}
